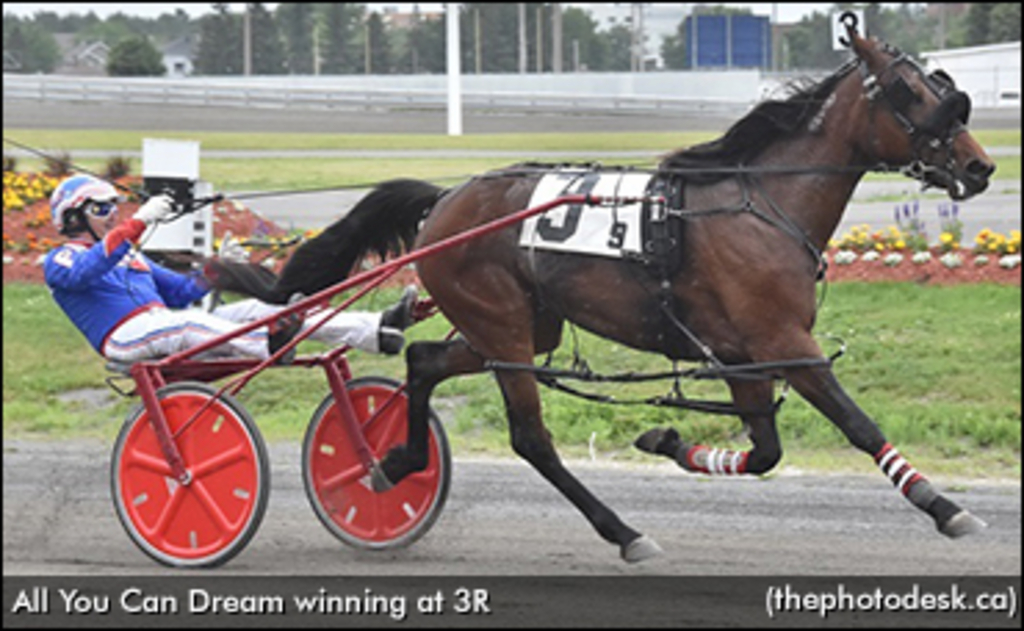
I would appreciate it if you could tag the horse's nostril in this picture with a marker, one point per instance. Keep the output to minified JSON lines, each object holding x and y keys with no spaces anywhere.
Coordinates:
{"x":980,"y":168}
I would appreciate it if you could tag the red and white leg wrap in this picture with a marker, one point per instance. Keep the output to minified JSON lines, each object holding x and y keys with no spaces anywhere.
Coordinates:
{"x":701,"y":459}
{"x":898,"y":470}
{"x":914,"y":486}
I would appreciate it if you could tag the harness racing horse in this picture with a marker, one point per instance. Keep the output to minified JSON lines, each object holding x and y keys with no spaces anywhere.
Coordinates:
{"x":755,"y":210}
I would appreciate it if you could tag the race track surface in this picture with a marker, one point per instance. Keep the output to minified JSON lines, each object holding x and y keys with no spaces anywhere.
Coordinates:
{"x":503,"y":519}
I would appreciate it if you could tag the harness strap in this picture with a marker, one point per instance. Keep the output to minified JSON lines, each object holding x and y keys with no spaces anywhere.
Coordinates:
{"x":549,"y":377}
{"x":791,"y":227}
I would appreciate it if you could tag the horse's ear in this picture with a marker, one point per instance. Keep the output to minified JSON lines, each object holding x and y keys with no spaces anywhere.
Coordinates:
{"x":853,"y":39}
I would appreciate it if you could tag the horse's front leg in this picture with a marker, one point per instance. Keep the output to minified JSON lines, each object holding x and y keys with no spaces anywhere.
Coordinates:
{"x":821,"y":388}
{"x":427,"y":365}
{"x":753,"y":399}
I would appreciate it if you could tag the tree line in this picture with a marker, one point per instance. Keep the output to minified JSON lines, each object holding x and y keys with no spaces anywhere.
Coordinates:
{"x":348,"y":38}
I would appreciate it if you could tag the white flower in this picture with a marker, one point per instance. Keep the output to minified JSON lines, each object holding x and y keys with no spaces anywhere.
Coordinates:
{"x":921,"y":258}
{"x":1010,"y":261}
{"x":893,"y":259}
{"x":871,"y":256}
{"x":951,"y":260}
{"x":980,"y":260}
{"x":8,"y":259}
{"x":845,"y":257}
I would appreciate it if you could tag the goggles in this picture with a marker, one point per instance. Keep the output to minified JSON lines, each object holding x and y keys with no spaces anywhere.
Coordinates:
{"x":100,"y":210}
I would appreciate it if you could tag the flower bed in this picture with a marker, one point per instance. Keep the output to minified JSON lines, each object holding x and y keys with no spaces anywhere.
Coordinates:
{"x":930,"y":267}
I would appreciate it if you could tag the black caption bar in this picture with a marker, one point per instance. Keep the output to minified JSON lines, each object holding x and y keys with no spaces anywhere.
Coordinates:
{"x":510,"y":602}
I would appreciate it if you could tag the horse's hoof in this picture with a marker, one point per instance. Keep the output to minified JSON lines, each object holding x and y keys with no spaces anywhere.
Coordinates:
{"x":641,"y":549}
{"x":963,"y":523}
{"x":658,"y":441}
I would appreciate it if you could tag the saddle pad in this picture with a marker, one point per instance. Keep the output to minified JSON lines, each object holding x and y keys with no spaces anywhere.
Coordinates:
{"x":597,"y":230}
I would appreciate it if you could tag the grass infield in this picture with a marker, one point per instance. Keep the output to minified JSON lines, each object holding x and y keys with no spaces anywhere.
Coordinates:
{"x":939,"y":369}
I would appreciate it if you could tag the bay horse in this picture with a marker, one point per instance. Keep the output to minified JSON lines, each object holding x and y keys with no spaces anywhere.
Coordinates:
{"x":756,"y":209}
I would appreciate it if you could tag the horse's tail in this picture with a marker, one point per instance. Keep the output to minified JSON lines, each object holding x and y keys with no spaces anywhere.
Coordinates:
{"x":386,"y":222}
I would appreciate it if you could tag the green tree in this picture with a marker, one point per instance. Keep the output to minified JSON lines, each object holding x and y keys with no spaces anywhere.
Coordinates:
{"x":617,"y":42}
{"x":296,"y":22}
{"x":338,"y":44}
{"x":220,"y":43}
{"x":499,"y":36}
{"x":379,"y":49}
{"x":979,"y":23}
{"x":808,"y":45}
{"x":135,"y":57}
{"x":30,"y":48}
{"x":579,"y":26}
{"x":1005,"y":23}
{"x":171,"y":26}
{"x":267,"y":48}
{"x":111,"y":31}
{"x":426,"y":47}
{"x":673,"y":48}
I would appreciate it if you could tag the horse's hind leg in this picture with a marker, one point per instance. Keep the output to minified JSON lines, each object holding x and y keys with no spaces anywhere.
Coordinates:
{"x":428,"y":364}
{"x":819,"y":386}
{"x":754,"y":400}
{"x":531,"y":441}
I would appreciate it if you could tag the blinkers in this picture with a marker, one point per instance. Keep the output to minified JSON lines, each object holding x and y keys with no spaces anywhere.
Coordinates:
{"x":949,"y":116}
{"x":936,"y":133}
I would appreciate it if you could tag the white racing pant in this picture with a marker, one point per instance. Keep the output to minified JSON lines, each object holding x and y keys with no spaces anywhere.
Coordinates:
{"x":162,"y":332}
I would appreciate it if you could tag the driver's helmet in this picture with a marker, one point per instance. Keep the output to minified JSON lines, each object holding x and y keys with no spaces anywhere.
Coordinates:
{"x":85,"y":196}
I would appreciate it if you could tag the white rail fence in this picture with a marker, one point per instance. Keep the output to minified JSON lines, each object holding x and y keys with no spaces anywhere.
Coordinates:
{"x":307,"y":95}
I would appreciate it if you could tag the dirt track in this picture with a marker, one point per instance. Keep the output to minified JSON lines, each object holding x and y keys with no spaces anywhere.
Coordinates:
{"x":503,"y":519}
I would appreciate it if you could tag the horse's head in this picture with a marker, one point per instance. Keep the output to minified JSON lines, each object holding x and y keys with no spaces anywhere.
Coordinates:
{"x":919,"y":121}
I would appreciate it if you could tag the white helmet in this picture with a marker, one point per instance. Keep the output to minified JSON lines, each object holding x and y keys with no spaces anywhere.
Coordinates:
{"x":81,"y":195}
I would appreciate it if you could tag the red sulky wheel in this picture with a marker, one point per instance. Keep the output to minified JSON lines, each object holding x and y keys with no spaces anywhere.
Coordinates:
{"x":338,"y":486}
{"x":208,"y":521}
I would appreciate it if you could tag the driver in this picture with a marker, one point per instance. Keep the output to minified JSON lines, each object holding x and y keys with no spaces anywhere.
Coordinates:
{"x":130,"y":308}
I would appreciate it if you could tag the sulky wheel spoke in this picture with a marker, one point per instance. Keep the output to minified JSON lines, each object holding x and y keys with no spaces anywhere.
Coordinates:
{"x":220,"y":461}
{"x":346,"y":477}
{"x":212,"y":508}
{"x":167,"y":515}
{"x":387,"y":438}
{"x":154,"y":464}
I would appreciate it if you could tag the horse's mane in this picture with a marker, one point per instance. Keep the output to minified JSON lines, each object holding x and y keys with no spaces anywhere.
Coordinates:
{"x":768,"y":122}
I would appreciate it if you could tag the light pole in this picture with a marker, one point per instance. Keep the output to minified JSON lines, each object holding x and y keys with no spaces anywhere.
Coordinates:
{"x":454,"y":69}
{"x":247,"y":43}
{"x":522,"y":38}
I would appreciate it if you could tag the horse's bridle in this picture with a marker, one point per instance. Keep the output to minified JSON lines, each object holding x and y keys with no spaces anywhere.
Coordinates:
{"x":937,"y":132}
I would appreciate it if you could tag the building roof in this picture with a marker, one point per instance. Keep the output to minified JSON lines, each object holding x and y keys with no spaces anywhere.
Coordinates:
{"x":184,"y":46}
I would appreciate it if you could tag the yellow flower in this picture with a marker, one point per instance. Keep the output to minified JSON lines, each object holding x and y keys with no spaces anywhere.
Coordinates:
{"x":946,"y":237}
